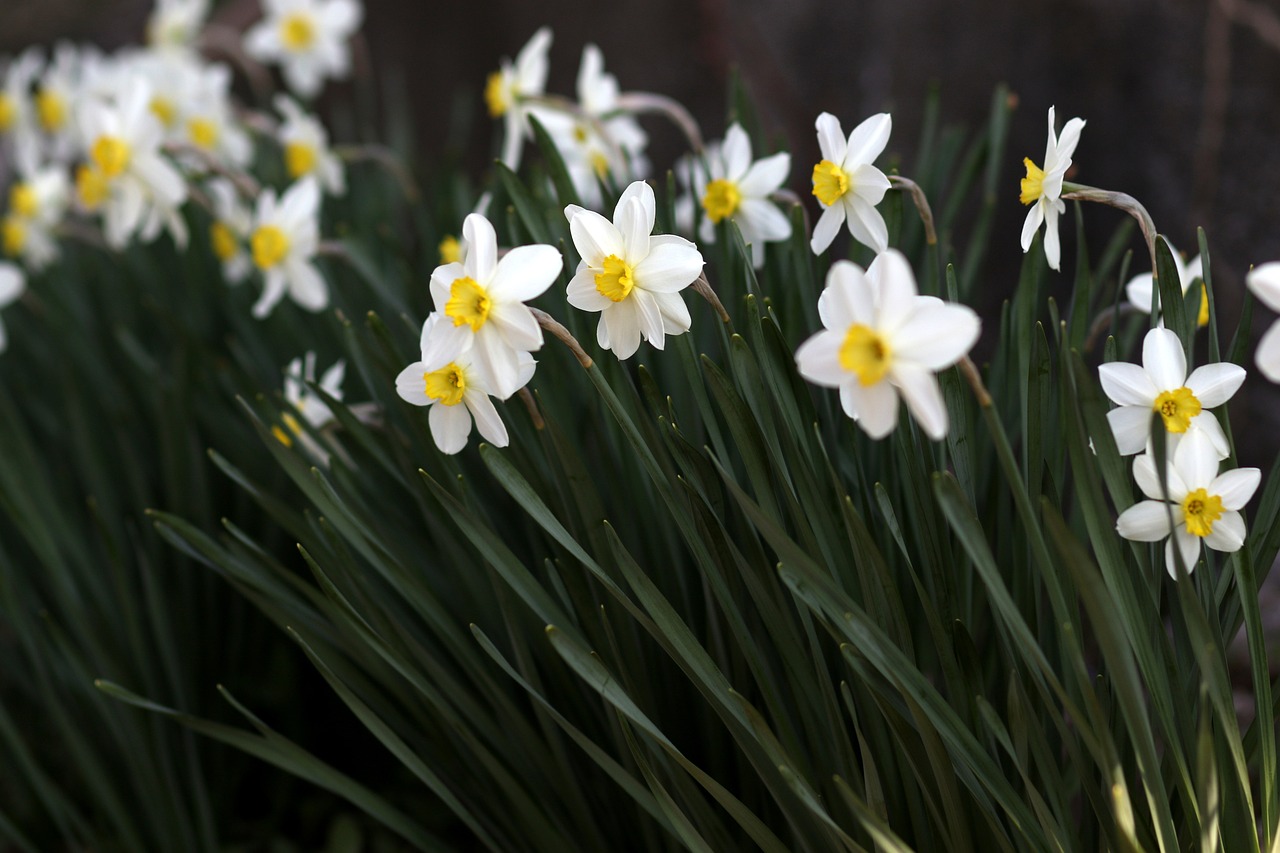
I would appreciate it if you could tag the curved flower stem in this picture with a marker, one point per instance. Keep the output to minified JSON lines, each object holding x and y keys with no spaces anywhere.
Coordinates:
{"x":259,"y":122}
{"x":83,"y":233}
{"x":573,"y":108}
{"x":529,"y":403}
{"x":647,"y":102}
{"x":703,"y":287}
{"x":333,"y":249}
{"x":1102,"y":321}
{"x":244,"y":183}
{"x":552,"y":325}
{"x":969,"y":371}
{"x":1121,"y":201}
{"x":922,"y":205}
{"x":386,"y":158}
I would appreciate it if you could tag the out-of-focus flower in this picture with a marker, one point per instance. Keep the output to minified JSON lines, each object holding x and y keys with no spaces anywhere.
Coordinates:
{"x":209,"y":123}
{"x":1140,"y":287}
{"x":1200,"y":505}
{"x":511,"y":85}
{"x":285,"y":236}
{"x":630,"y":275}
{"x":19,"y":123}
{"x":1042,"y":188}
{"x":451,"y":250}
{"x":229,"y":233}
{"x":882,"y":339}
{"x":1264,"y":282}
{"x":308,"y":38}
{"x":848,"y":185}
{"x":1161,"y":386}
{"x":37,"y":203}
{"x":302,"y":371}
{"x":306,"y":147}
{"x":175,"y":24}
{"x":12,"y":285}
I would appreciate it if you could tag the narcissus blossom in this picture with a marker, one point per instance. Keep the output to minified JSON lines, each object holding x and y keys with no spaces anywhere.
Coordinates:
{"x":285,"y":236}
{"x":881,"y":340}
{"x":509,"y":88}
{"x":175,"y":24}
{"x":306,"y":147}
{"x":1200,"y":505}
{"x":1140,"y":287}
{"x":229,"y":233}
{"x":1161,"y":386}
{"x":1042,"y":188}
{"x":308,"y":38}
{"x":847,"y":184}
{"x":630,"y":275}
{"x":12,"y":285}
{"x":734,"y":186}
{"x":1264,"y":282}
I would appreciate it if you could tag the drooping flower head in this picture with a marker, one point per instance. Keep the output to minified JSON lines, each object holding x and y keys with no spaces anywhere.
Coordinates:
{"x":511,"y":85}
{"x":848,"y":185}
{"x":881,"y":340}
{"x":1042,"y":188}
{"x":284,"y":239}
{"x":309,"y":38}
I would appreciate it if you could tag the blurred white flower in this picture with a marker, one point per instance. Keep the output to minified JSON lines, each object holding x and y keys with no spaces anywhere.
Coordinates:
{"x":302,"y":371}
{"x":509,"y":87}
{"x":19,"y":123}
{"x":848,"y":185}
{"x":1140,"y":287}
{"x":1042,"y":188}
{"x":1264,"y":282}
{"x":306,"y":147}
{"x":309,"y":38}
{"x":285,"y":237}
{"x":882,"y":339}
{"x":230,"y":230}
{"x":37,"y":203}
{"x":632,"y":278}
{"x":175,"y":24}
{"x":12,"y":285}
{"x":208,"y":119}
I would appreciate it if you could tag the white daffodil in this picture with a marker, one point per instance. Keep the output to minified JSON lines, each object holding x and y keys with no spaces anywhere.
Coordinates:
{"x":481,"y":304}
{"x":174,"y":25}
{"x":630,"y":275}
{"x":306,"y":147}
{"x":1264,"y":281}
{"x":1161,"y":386}
{"x":209,"y":123}
{"x":1140,"y":288}
{"x":1200,"y":505}
{"x":881,"y":339}
{"x":229,"y":233}
{"x":297,"y":376}
{"x":136,"y":189}
{"x":19,"y":123}
{"x":735,"y":187}
{"x":12,"y":285}
{"x":37,"y":203}
{"x":848,"y":185}
{"x":57,"y":93}
{"x":511,"y":85}
{"x":308,"y":38}
{"x":174,"y":82}
{"x":457,"y":392}
{"x":284,"y":239}
{"x":1042,"y":188}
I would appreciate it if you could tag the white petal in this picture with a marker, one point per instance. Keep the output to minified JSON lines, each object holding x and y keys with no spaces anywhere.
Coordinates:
{"x":1267,"y":356}
{"x":1144,"y":472}
{"x":445,"y":342}
{"x":1052,"y":246}
{"x":1206,"y":423}
{"x":818,"y":360}
{"x":583,"y":293}
{"x":1035,"y":216}
{"x":497,"y":363}
{"x":1228,"y":533}
{"x":341,"y":17}
{"x":831,"y":141}
{"x":827,"y":227}
{"x":894,"y":286}
{"x":867,"y":140}
{"x":307,"y":287}
{"x":736,"y":152}
{"x":1213,"y":384}
{"x":668,"y":268}
{"x":651,"y":326}
{"x":643,"y":193}
{"x":761,"y":221}
{"x":1069,"y":138}
{"x":594,"y":237}
{"x":450,"y":426}
{"x":635,"y":226}
{"x":518,"y":326}
{"x":1164,"y":360}
{"x":1196,"y":459}
{"x":1145,"y":521}
{"x":919,"y":387}
{"x":765,"y":176}
{"x":937,"y":336}
{"x":482,"y":248}
{"x":848,"y":298}
{"x":442,"y":279}
{"x":1235,"y":487}
{"x":865,"y":223}
{"x":411,"y":385}
{"x":875,"y":407}
{"x":525,"y":273}
{"x":1189,"y":544}
{"x":623,"y":328}
{"x":1131,"y":426}
{"x":1127,"y":384}
{"x":1139,"y":290}
{"x":1264,"y":281}
{"x":488,"y":421}
{"x":12,"y":282}
{"x":675,"y":313}
{"x":273,"y":290}
{"x":869,"y":184}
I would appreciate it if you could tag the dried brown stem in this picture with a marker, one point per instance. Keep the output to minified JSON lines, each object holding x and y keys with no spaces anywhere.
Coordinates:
{"x":1120,"y":201}
{"x":922,"y":205}
{"x":244,"y":183}
{"x":647,"y":102}
{"x":552,"y":325}
{"x":532,"y":405}
{"x":385,"y":158}
{"x":703,"y":287}
{"x":969,"y":371}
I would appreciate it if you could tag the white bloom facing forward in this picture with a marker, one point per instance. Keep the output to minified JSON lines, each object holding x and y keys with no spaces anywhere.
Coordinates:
{"x":308,"y":38}
{"x":737,"y":188}
{"x":1161,"y":386}
{"x":1141,"y":288}
{"x":286,"y":234}
{"x":306,"y":148}
{"x":1042,"y":188}
{"x":511,"y":85}
{"x":630,"y":275}
{"x":13,"y":283}
{"x":481,"y":304}
{"x":881,"y":339}
{"x":457,"y":392}
{"x":1203,"y":505}
{"x":847,"y":183}
{"x":1264,"y":282}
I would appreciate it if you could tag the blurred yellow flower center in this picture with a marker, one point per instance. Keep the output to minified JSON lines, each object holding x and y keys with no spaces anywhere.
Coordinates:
{"x":297,"y":31}
{"x":1200,"y":510}
{"x":1202,"y":319}
{"x":450,"y":250}
{"x":468,"y":303}
{"x":164,"y":109}
{"x":13,"y":235}
{"x":299,"y":159}
{"x":224,"y":241}
{"x":599,"y":164}
{"x":111,"y":155}
{"x":23,"y":200}
{"x":447,"y":384}
{"x":1032,"y":184}
{"x":51,"y":107}
{"x":1177,"y":407}
{"x":8,"y":112}
{"x":91,"y":186}
{"x":282,"y":436}
{"x":270,"y":245}
{"x":829,"y":182}
{"x":496,"y":95}
{"x":616,"y":279}
{"x":579,"y":134}
{"x":865,"y":353}
{"x":723,"y":198}
{"x":203,"y":131}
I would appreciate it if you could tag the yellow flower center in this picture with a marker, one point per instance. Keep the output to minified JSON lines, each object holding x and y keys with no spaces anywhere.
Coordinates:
{"x":203,"y":132}
{"x":164,"y":109}
{"x":1032,"y":184}
{"x":723,"y":198}
{"x":866,"y":354}
{"x":13,"y":235}
{"x":282,"y":436}
{"x":23,"y":200}
{"x":450,"y":250}
{"x":599,"y":164}
{"x":51,"y":108}
{"x":616,"y":279}
{"x":1200,"y":510}
{"x":468,"y":303}
{"x":1177,"y":407}
{"x":294,"y":427}
{"x":297,"y":32}
{"x":829,"y":182}
{"x":496,"y":95}
{"x":270,"y":245}
{"x":91,"y":186}
{"x":111,"y":155}
{"x":225,"y":245}
{"x":1202,"y":319}
{"x":299,"y":159}
{"x":447,"y":385}
{"x":8,"y":112}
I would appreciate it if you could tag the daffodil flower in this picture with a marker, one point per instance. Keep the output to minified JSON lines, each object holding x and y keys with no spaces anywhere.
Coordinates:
{"x":175,"y":24}
{"x":1042,"y":188}
{"x":630,"y":275}
{"x":1264,"y":282}
{"x":308,"y":38}
{"x":481,"y":304}
{"x":1161,"y":386}
{"x":38,"y":202}
{"x":1140,"y":288}
{"x":511,"y":85}
{"x":457,"y":391}
{"x":229,"y":233}
{"x":1203,"y":505}
{"x":301,"y":372}
{"x":846,"y":183}
{"x":12,"y":285}
{"x":306,"y":148}
{"x":285,"y":236}
{"x":881,"y":340}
